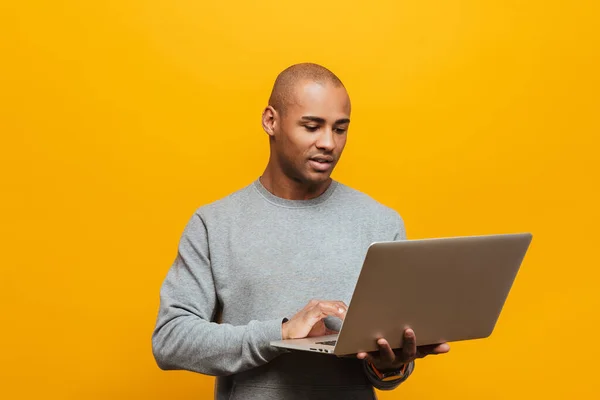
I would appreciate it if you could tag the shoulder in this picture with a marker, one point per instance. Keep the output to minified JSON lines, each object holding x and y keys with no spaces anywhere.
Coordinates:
{"x":380,"y":218}
{"x":371,"y":212}
{"x":357,"y":199}
{"x":211,"y":215}
{"x":228,"y":205}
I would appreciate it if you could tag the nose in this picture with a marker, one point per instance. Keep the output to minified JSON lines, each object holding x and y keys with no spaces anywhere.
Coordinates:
{"x":326,"y":141}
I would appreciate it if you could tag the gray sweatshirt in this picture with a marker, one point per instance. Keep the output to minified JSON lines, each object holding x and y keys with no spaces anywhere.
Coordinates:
{"x":250,"y":260}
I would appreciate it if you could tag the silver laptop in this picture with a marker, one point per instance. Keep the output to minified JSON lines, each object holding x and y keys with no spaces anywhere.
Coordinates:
{"x":446,"y":289}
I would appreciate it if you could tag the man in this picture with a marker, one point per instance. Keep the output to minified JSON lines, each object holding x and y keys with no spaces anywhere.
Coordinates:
{"x":285,"y":245}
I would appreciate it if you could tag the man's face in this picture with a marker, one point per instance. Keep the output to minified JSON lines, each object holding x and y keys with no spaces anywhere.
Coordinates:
{"x":310,"y":135}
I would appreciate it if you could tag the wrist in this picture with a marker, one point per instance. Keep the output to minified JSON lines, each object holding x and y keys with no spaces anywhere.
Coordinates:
{"x":389,"y":373}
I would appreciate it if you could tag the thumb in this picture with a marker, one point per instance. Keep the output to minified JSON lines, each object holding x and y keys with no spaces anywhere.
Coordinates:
{"x":330,"y":331}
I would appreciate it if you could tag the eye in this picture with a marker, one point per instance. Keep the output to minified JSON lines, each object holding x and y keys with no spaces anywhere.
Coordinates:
{"x":311,"y":128}
{"x":341,"y":130}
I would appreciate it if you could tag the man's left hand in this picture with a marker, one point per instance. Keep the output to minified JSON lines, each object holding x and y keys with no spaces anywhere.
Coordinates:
{"x":389,"y":360}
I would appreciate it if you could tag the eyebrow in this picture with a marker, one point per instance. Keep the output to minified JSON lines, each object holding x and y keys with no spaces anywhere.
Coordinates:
{"x":322,"y":120}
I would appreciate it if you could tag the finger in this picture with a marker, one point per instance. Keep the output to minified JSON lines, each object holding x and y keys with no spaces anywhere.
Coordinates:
{"x":338,"y":302}
{"x":432,"y":349}
{"x":319,"y":312}
{"x":409,"y":346}
{"x":438,"y":348}
{"x":386,"y":354}
{"x":326,"y":308}
{"x":330,"y":331}
{"x":342,"y":306}
{"x":442,"y":348}
{"x":310,"y":304}
{"x":424,"y":351}
{"x":365,"y":356}
{"x":317,"y":303}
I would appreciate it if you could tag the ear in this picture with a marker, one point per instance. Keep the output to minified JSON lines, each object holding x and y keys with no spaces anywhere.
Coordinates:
{"x":269,"y":120}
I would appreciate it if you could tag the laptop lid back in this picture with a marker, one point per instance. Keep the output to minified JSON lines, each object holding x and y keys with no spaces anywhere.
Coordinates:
{"x":446,"y":289}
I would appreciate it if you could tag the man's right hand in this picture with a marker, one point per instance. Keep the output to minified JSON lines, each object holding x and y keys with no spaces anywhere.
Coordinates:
{"x":309,"y":321}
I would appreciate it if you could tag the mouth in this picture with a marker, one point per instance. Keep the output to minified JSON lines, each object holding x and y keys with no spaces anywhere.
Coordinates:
{"x":321,"y":163}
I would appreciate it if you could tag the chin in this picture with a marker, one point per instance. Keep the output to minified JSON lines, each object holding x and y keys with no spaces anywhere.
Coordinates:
{"x":314,"y":179}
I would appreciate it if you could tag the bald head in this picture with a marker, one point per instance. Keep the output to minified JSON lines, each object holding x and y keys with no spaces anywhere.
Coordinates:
{"x":282,"y":94}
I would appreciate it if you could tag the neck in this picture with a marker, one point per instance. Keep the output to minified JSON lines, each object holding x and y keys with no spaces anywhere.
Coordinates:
{"x":285,"y":187}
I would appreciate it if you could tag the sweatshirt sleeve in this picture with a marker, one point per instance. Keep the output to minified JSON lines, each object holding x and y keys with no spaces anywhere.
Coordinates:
{"x":186,"y":335}
{"x":400,"y":230}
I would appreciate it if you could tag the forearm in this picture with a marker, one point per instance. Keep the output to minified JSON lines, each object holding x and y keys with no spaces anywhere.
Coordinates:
{"x":190,"y":343}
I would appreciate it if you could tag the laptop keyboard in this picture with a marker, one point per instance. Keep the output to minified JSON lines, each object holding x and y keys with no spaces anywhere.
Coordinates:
{"x":327,"y":342}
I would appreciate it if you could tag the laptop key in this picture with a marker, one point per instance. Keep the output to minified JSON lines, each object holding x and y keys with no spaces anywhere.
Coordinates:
{"x":327,"y":342}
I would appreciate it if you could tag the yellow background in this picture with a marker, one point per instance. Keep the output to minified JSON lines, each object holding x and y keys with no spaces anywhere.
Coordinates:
{"x":119,"y":118}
